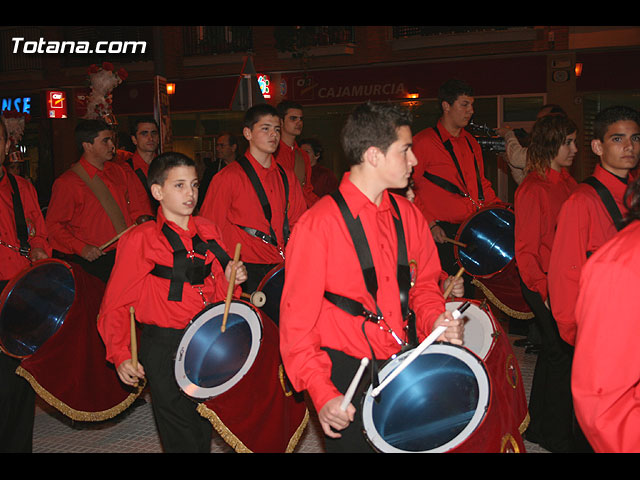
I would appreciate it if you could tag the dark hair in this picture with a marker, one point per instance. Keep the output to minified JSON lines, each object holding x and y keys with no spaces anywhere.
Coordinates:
{"x":232,"y":138}
{"x":160,"y":166}
{"x":255,"y":113}
{"x":450,"y":90}
{"x":547,"y":136}
{"x":315,"y":145}
{"x":134,"y":126}
{"x":87,"y":130}
{"x":372,"y":125}
{"x":554,"y":109}
{"x":611,"y":115}
{"x":284,"y":106}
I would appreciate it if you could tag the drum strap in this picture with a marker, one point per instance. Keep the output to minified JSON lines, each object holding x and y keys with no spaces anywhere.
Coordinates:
{"x":608,"y":200}
{"x":355,"y":308}
{"x":187,"y":269}
{"x":18,"y":212}
{"x":143,"y":179}
{"x":445,"y":184}
{"x":271,"y":238}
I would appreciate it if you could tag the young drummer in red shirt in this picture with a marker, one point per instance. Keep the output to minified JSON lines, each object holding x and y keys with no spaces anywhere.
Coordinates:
{"x":232,"y":201}
{"x":163,"y":306}
{"x":584,"y":223}
{"x":538,"y":199}
{"x":315,"y":333}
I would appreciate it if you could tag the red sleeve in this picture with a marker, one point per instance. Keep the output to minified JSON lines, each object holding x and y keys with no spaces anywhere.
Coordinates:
{"x":529,"y":208}
{"x":63,"y":203}
{"x":606,"y":365}
{"x":568,"y":255}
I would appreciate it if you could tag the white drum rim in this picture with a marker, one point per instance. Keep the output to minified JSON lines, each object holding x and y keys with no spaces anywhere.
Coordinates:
{"x":488,"y":336}
{"x":476,"y":366}
{"x":255,"y":326}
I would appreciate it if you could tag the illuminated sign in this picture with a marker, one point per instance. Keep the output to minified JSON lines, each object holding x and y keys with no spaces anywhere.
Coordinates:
{"x":18,"y":104}
{"x":56,"y":104}
{"x":265,"y":87}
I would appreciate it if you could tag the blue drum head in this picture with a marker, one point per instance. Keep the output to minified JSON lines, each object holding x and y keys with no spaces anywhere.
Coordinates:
{"x":490,"y":239}
{"x":272,"y":286}
{"x":432,"y":406}
{"x":35,"y":307}
{"x":209,"y":361}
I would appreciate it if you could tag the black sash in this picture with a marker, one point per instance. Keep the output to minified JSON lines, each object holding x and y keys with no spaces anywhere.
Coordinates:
{"x":185,"y":269}
{"x":18,"y":212}
{"x":266,"y":207}
{"x":608,"y":201}
{"x":369,"y":273}
{"x":446,"y":184}
{"x":143,"y":179}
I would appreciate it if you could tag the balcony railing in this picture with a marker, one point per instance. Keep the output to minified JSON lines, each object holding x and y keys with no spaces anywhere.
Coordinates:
{"x":217,"y":40}
{"x":297,"y":39}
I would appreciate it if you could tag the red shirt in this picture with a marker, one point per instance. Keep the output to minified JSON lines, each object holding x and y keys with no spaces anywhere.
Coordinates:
{"x":323,"y":180}
{"x":76,"y":218}
{"x":131,"y":284}
{"x":11,"y":262}
{"x":435,"y":202}
{"x":584,"y":225}
{"x":321,"y":257}
{"x":286,"y":156}
{"x":537,"y":203}
{"x":231,"y":201}
{"x":605,"y":379}
{"x":138,"y":196}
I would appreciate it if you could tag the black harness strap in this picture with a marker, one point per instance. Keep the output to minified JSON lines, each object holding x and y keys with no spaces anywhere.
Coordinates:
{"x":608,"y":201}
{"x":143,"y":179}
{"x":266,"y":207}
{"x":18,"y":212}
{"x":447,"y":185}
{"x":363,"y":251}
{"x":185,"y":269}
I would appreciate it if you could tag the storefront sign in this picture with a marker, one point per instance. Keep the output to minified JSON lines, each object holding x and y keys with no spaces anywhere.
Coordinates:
{"x":56,"y":104}
{"x":17,"y":104}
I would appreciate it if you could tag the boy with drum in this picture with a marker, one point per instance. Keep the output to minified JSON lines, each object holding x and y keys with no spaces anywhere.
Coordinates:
{"x":321,"y":340}
{"x":188,"y":248}
{"x":254,"y":200}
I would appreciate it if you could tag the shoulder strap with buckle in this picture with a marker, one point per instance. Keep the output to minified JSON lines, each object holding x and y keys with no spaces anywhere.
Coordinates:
{"x":18,"y":212}
{"x":608,"y":201}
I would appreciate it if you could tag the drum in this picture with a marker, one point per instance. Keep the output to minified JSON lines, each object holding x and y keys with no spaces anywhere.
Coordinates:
{"x":271,"y":285}
{"x":237,"y":379}
{"x":433,"y":405}
{"x":485,"y":337}
{"x":49,"y":320}
{"x":489,"y":257}
{"x":34,"y":306}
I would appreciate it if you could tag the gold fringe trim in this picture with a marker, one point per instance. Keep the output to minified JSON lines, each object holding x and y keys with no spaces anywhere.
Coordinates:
{"x":525,"y":424}
{"x":509,"y":311}
{"x":237,"y":444}
{"x":78,"y":414}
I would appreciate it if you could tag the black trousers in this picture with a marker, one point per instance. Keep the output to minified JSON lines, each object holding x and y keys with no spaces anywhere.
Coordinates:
{"x":553,"y":424}
{"x":182,"y":429}
{"x":17,"y":408}
{"x":352,"y":438}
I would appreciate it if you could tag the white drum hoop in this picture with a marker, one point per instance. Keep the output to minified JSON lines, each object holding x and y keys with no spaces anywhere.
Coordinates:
{"x":467,"y":359}
{"x":206,"y":329}
{"x":479,"y":328}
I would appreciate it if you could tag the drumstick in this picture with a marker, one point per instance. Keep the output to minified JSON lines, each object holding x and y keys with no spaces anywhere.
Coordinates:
{"x":447,"y":292}
{"x":418,"y":350}
{"x":140,"y":219}
{"x":232,"y":281}
{"x":134,"y":342}
{"x":455,"y":242}
{"x":354,"y":383}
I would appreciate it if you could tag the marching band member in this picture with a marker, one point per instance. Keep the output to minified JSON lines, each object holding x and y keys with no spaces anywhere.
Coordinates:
{"x":90,"y":202}
{"x":587,"y":219}
{"x":164,"y":305}
{"x":322,"y":344}
{"x":255,"y":201}
{"x":606,"y":366}
{"x":23,"y":239}
{"x":537,"y":201}
{"x":449,"y":177}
